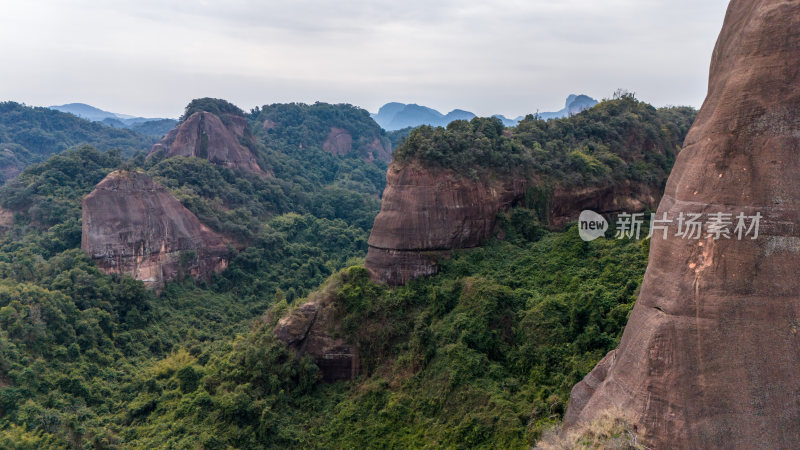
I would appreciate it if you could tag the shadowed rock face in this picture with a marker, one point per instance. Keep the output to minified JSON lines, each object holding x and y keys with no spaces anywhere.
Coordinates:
{"x":710,"y":357}
{"x":310,"y":330}
{"x":133,"y":226}
{"x":204,"y":135}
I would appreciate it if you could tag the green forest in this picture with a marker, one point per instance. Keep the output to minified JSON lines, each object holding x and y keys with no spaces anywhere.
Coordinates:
{"x":31,"y":134}
{"x":483,"y":354}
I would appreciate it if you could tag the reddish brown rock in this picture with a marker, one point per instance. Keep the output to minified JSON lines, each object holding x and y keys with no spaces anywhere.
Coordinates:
{"x":710,"y":357}
{"x":311,"y":330}
{"x":608,"y":199}
{"x":339,"y":142}
{"x":204,"y":135}
{"x":425,"y":212}
{"x":133,"y":226}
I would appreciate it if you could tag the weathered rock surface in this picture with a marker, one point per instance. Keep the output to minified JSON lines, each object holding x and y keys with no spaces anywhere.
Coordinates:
{"x":339,"y":142}
{"x":608,"y":199}
{"x":311,"y":330}
{"x":133,"y":226}
{"x":204,"y":135}
{"x":426,"y":212}
{"x":710,"y":357}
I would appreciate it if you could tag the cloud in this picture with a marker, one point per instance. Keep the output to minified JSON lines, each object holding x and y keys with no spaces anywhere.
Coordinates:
{"x":506,"y":56}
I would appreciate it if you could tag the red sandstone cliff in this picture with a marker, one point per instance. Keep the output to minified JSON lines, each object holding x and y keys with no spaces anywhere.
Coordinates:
{"x":204,"y":135}
{"x":132,"y":225}
{"x":710,"y":357}
{"x":426,"y":212}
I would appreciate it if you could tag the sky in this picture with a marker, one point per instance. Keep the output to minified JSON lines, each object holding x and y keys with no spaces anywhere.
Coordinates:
{"x":513,"y":57}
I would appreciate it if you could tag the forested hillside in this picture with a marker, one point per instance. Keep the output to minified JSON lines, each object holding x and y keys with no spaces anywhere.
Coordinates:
{"x":31,"y":134}
{"x":482,"y":354}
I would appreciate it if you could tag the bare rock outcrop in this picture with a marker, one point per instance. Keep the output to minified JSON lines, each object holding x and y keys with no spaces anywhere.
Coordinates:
{"x":426,"y":212}
{"x":710,"y":357}
{"x":133,"y":226}
{"x":312,"y":330}
{"x":205,"y":135}
{"x":340,"y":142}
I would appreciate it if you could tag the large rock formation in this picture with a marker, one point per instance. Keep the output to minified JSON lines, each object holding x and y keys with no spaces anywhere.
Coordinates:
{"x":133,"y":226}
{"x":710,"y":357}
{"x":205,"y":135}
{"x":311,"y":330}
{"x":426,"y":212}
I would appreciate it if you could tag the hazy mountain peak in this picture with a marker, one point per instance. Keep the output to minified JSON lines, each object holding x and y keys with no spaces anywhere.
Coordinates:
{"x":150,"y":126}
{"x":395,"y":116}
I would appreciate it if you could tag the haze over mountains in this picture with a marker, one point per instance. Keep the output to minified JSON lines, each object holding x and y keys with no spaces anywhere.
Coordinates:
{"x":396,"y":116}
{"x":149,"y":126}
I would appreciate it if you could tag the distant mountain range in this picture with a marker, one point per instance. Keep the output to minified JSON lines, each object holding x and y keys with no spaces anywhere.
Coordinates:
{"x":396,"y":116}
{"x":150,"y":126}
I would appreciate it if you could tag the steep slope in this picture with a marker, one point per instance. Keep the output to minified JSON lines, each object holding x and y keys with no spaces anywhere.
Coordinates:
{"x":424,"y":212}
{"x":445,"y":188}
{"x":133,"y":226}
{"x":217,"y":138}
{"x":710,"y":355}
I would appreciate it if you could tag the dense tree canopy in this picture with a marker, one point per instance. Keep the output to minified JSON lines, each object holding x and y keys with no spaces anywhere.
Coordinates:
{"x":481,"y":355}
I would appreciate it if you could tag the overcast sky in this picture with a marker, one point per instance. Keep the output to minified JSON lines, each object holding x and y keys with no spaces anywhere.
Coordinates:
{"x":512,"y":57}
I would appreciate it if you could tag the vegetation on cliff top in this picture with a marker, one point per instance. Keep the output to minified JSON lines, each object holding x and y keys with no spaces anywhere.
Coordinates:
{"x":481,"y":355}
{"x":617,"y":139}
{"x":215,"y":106}
{"x":299,"y":127}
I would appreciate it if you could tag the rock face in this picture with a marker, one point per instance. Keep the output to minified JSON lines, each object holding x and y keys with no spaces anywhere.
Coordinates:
{"x":6,"y":218}
{"x":311,"y":330}
{"x":340,"y":142}
{"x":609,"y":199}
{"x":427,"y":212}
{"x":133,"y":226}
{"x":710,"y":357}
{"x":204,"y":135}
